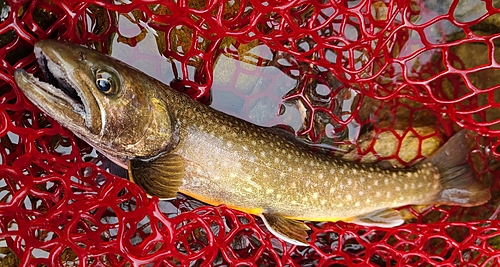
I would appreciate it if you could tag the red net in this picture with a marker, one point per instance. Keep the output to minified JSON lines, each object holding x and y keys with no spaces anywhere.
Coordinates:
{"x":377,"y":80}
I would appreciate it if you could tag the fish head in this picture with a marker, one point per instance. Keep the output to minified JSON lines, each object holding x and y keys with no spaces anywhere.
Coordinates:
{"x":113,"y":107}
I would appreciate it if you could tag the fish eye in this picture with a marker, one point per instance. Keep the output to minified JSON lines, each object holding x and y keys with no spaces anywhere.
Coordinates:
{"x":105,"y":82}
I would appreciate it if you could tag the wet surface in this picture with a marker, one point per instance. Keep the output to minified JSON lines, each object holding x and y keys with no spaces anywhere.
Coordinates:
{"x":288,"y":83}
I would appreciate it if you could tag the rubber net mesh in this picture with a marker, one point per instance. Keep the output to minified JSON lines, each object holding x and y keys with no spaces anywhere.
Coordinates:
{"x":365,"y":80}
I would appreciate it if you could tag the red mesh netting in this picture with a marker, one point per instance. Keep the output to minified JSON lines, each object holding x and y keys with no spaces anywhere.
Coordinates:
{"x":377,"y":80}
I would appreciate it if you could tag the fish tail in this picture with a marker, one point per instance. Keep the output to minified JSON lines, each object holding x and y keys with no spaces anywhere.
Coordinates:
{"x":459,"y":185}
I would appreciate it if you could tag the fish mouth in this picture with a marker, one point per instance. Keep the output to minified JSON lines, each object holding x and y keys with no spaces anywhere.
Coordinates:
{"x":58,"y":79}
{"x":60,"y":95}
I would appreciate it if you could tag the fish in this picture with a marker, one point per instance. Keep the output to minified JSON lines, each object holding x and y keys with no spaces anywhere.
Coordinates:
{"x":172,"y":144}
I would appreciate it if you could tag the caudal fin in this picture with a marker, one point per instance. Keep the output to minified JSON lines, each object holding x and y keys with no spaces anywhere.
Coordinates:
{"x":458,"y":180}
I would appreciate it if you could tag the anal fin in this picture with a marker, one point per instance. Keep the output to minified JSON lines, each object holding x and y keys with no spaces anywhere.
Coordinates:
{"x":292,"y":231}
{"x":159,"y":177}
{"x":386,"y":218}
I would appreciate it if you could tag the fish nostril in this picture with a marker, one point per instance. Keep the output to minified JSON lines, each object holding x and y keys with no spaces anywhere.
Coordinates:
{"x":81,"y":56}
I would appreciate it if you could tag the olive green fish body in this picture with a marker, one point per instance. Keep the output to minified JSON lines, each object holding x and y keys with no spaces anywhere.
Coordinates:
{"x":170,"y":144}
{"x":244,"y":166}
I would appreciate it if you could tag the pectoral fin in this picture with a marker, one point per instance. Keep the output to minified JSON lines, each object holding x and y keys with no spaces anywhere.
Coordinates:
{"x":292,"y":231}
{"x":159,"y":177}
{"x":382,"y":218}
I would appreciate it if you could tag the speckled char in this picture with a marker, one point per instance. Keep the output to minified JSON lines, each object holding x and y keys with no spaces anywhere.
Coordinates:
{"x":170,"y":143}
{"x":246,"y":167}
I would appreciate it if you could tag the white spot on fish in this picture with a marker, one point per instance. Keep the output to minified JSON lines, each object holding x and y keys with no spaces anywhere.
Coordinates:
{"x":315,"y":195}
{"x":322,"y":202}
{"x":341,"y":171}
{"x":248,"y":189}
{"x":332,"y":171}
{"x":368,"y":200}
{"x":349,"y":197}
{"x":349,"y":182}
{"x":248,"y":179}
{"x":269,"y":191}
{"x":332,"y":190}
{"x":276,"y":160}
{"x":398,"y":188}
{"x":378,"y":194}
{"x":357,"y":204}
{"x":361,"y":193}
{"x":388,"y":194}
{"x":294,"y":202}
{"x":278,"y":196}
{"x":375,"y":182}
{"x":354,"y":171}
{"x":362,"y":179}
{"x":386,"y":181}
{"x":294,"y":185}
{"x":320,"y":176}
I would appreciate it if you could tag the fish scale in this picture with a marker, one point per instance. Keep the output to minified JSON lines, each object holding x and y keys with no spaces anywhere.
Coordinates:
{"x":170,"y":143}
{"x":228,"y":147}
{"x":299,"y":191}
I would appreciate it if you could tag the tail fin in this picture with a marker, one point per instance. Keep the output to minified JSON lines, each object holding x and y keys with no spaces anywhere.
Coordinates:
{"x":458,"y":180}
